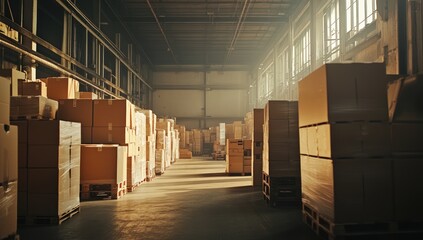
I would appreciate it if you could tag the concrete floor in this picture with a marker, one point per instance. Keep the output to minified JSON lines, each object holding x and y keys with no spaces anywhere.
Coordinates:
{"x":194,"y":199}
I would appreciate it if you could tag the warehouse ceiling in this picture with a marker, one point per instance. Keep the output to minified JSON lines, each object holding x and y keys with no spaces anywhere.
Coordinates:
{"x":205,"y":32}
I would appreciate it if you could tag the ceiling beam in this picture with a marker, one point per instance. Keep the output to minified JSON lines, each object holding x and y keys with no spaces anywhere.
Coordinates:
{"x":207,"y":20}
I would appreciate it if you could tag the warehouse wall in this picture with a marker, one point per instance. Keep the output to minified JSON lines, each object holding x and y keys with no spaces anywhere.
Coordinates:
{"x":277,"y":74}
{"x":201,"y":99}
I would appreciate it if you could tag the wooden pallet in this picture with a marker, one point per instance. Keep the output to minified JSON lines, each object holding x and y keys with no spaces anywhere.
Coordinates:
{"x":48,"y":220}
{"x":133,"y":187}
{"x":102,"y":191}
{"x":281,"y":190}
{"x":383,"y":230}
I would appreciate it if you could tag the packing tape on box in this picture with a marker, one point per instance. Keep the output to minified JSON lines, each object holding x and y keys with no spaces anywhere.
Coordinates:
{"x":110,"y":126}
{"x":74,"y":103}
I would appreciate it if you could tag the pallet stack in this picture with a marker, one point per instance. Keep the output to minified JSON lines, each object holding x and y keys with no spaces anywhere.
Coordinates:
{"x":257,"y":149}
{"x":150,"y":129}
{"x":345,"y":165}
{"x":406,"y":129}
{"x":234,"y":156}
{"x":160,"y":151}
{"x":281,"y":165}
{"x":8,"y":165}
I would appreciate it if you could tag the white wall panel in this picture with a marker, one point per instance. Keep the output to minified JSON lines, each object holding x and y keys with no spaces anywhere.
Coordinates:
{"x":178,"y":103}
{"x":226,"y":103}
{"x":178,"y":78}
{"x":227,"y":78}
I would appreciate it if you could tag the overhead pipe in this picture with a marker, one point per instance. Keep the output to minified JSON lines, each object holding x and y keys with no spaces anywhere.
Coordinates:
{"x":238,"y":27}
{"x":169,"y":48}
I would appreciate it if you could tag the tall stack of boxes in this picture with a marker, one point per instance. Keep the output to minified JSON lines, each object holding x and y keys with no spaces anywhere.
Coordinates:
{"x":257,"y":149}
{"x":160,"y":151}
{"x":197,"y":142}
{"x":238,"y":129}
{"x":281,"y":165}
{"x":53,"y":169}
{"x":136,"y":162}
{"x":247,"y":146}
{"x":8,"y":165}
{"x":151,"y":143}
{"x":406,"y":130}
{"x":234,"y":156}
{"x":165,"y":125}
{"x":345,"y":169}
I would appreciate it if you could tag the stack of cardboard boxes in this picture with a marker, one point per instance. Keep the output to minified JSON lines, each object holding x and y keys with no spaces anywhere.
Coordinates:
{"x":150,"y":137}
{"x":406,"y":130}
{"x":234,"y":156}
{"x":160,"y":151}
{"x":197,"y":142}
{"x":137,"y":155}
{"x":8,"y":165}
{"x":257,"y":149}
{"x":281,"y":165}
{"x":345,"y":169}
{"x":247,"y":144}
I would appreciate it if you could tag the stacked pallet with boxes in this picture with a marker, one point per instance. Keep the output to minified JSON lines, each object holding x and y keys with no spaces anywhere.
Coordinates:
{"x":184,"y":152}
{"x":197,"y":142}
{"x":137,"y":161}
{"x":234,"y":156}
{"x":49,"y":161}
{"x":150,"y":142}
{"x":160,"y":151}
{"x":257,"y":148}
{"x":281,"y":165}
{"x":345,"y":165}
{"x":406,"y":128}
{"x":8,"y":165}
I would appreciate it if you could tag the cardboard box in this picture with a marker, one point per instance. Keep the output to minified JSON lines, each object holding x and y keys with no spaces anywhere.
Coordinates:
{"x":234,"y":143}
{"x":134,"y":171}
{"x":22,"y":155}
{"x":8,"y":209}
{"x":14,"y":76}
{"x":235,"y":167}
{"x":61,"y":87}
{"x":343,"y":92}
{"x":76,"y":110}
{"x":54,"y":132}
{"x":8,"y":153}
{"x":247,"y":169}
{"x":408,"y":197}
{"x":348,"y":190}
{"x":4,"y":100}
{"x":406,"y":138}
{"x":22,"y":130}
{"x":280,"y":110}
{"x":23,"y":179}
{"x":33,"y":88}
{"x":86,"y":95}
{"x":48,"y":156}
{"x":86,"y":135}
{"x":248,"y":144}
{"x":120,"y":108}
{"x":115,"y":135}
{"x":33,"y":106}
{"x":345,"y":140}
{"x":111,"y":158}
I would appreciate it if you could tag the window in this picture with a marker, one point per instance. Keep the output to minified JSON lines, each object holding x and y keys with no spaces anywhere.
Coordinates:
{"x":331,"y":36}
{"x":302,"y":54}
{"x":267,"y":79}
{"x":359,"y":14}
{"x":284,"y":76}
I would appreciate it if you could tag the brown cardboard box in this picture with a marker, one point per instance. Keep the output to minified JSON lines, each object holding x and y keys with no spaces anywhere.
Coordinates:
{"x":86,"y":135}
{"x":14,"y":76}
{"x":348,"y":190}
{"x":48,"y":156}
{"x":304,"y":141}
{"x":111,"y":158}
{"x":61,"y":87}
{"x":235,"y":167}
{"x":406,"y":137}
{"x":8,"y":210}
{"x":276,"y":110}
{"x":115,"y":135}
{"x":112,"y":113}
{"x":352,"y":140}
{"x":33,"y":88}
{"x":8,"y":153}
{"x":33,"y":106}
{"x":247,"y":169}
{"x":343,"y":92}
{"x":248,"y":144}
{"x":234,"y":143}
{"x":76,"y":110}
{"x":23,"y":179}
{"x":86,"y":95}
{"x":4,"y":100}
{"x":22,"y":155}
{"x":408,"y":197}
{"x":54,"y":132}
{"x":287,"y":168}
